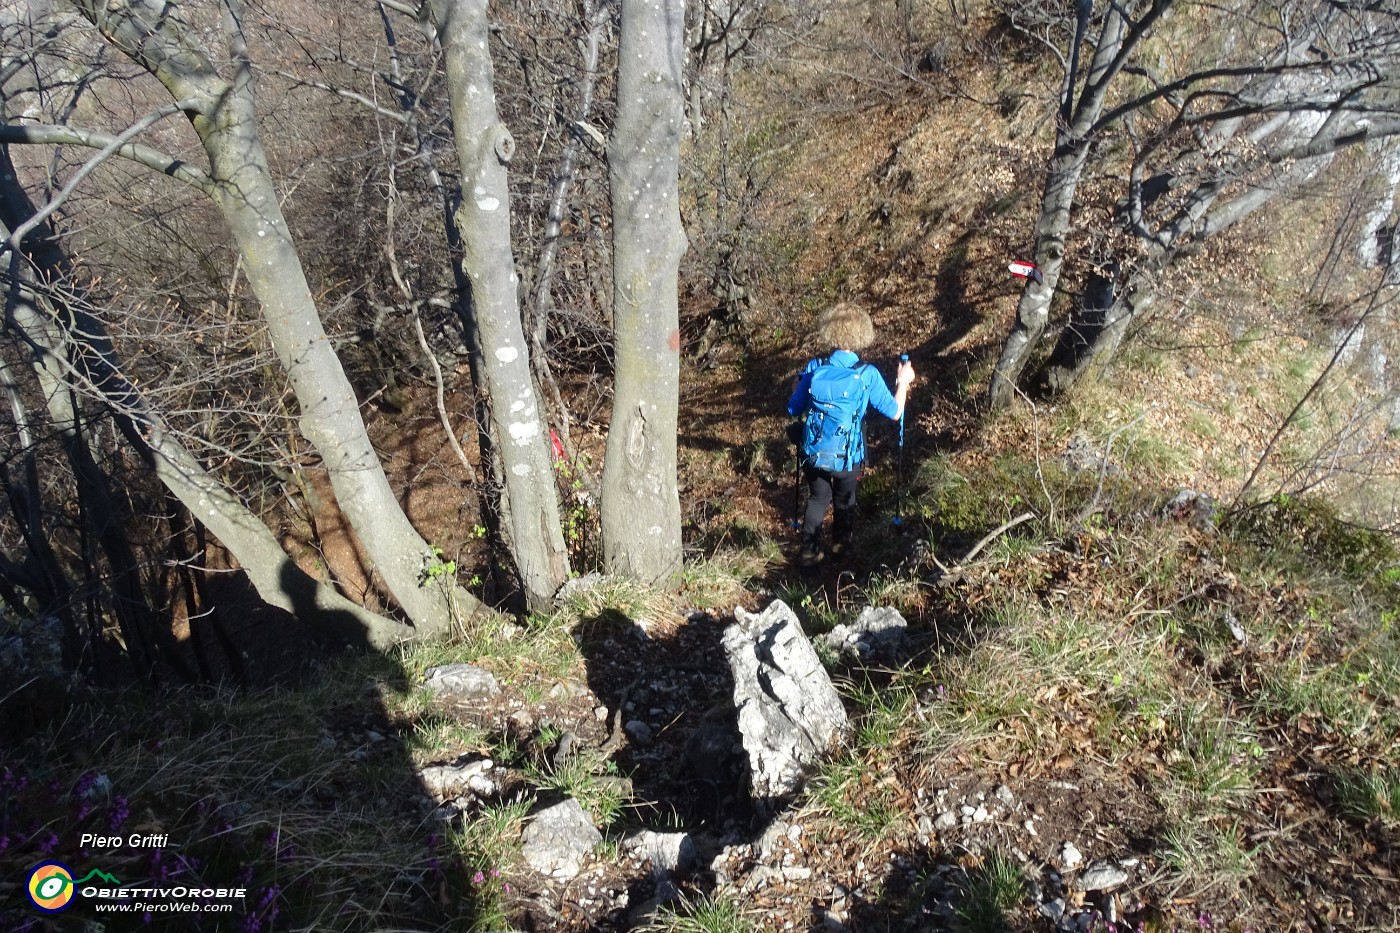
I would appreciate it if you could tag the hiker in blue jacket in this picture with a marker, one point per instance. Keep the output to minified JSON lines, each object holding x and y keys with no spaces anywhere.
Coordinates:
{"x":832,"y":395}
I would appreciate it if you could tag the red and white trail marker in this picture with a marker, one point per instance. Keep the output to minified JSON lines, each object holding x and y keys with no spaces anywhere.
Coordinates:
{"x":1026,"y":270}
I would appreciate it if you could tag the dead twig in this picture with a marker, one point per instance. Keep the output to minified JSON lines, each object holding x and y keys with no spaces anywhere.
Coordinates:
{"x":986,"y":540}
{"x":441,"y":400}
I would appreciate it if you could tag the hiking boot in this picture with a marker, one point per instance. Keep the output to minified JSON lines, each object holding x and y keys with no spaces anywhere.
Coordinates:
{"x":838,"y":547}
{"x":810,"y":557}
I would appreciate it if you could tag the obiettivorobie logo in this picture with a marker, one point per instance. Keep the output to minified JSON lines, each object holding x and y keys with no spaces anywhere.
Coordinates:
{"x":51,"y":885}
{"x":52,"y":888}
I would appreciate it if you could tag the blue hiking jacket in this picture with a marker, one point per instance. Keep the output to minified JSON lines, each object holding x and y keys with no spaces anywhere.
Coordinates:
{"x":877,"y":394}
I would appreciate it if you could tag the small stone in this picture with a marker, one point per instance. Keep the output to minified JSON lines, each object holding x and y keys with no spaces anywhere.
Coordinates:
{"x":564,"y":692}
{"x":946,"y":821}
{"x":638,"y":731}
{"x":460,"y":680}
{"x":1100,"y":876}
{"x":445,"y":782}
{"x":1003,"y":793}
{"x":600,"y":713}
{"x":1236,"y":629}
{"x":667,"y":852}
{"x":1070,"y":856}
{"x":1030,"y":828}
{"x":577,"y":587}
{"x":981,"y":815}
{"x":1053,"y":909}
{"x":558,"y":838}
{"x":768,"y":842}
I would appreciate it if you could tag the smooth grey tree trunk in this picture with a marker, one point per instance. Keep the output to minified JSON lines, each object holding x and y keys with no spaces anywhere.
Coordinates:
{"x":1033,"y":310}
{"x":640,"y":512}
{"x":530,"y":505}
{"x":223,"y":115}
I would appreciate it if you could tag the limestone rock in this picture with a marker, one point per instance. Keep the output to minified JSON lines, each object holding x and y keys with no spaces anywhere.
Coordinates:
{"x":667,"y":852}
{"x":577,"y":587}
{"x":446,"y":782}
{"x":461,"y":680}
{"x":1100,"y":876}
{"x":877,"y":630}
{"x":789,"y":712}
{"x":558,"y":838}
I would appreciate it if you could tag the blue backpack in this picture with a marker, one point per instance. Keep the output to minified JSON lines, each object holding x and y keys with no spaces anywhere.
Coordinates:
{"x":836,"y":400}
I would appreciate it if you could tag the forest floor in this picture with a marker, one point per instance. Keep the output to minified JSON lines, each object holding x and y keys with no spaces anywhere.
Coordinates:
{"x":1208,"y":702}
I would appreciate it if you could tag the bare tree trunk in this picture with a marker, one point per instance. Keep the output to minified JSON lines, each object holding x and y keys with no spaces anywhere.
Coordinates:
{"x":484,"y":149}
{"x":640,"y":506}
{"x":223,"y":114}
{"x":1078,"y":120}
{"x":40,"y":572}
{"x":1096,"y":325}
{"x":1033,"y":310}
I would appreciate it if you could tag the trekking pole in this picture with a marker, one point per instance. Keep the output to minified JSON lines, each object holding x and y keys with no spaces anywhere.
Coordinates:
{"x":796,"y":521}
{"x":899,"y":469}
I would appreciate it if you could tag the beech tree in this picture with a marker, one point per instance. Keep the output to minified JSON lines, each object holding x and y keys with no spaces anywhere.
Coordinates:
{"x":640,"y":505}
{"x":72,"y":359}
{"x":1211,"y":135}
{"x":214,"y":92}
{"x":485,"y":148}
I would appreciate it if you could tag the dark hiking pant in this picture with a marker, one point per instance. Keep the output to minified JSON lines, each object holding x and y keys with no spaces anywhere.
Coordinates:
{"x":824,"y":486}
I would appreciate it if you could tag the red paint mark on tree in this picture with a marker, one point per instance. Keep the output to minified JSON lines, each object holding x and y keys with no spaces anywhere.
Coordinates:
{"x":674,"y":341}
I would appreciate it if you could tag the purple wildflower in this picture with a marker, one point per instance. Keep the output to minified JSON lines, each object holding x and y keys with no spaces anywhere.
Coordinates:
{"x":121,"y":811}
{"x":85,"y":784}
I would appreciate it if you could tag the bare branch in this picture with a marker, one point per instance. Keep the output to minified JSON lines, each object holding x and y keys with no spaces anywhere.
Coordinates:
{"x":179,"y":169}
{"x":398,"y":116}
{"x":408,"y":9}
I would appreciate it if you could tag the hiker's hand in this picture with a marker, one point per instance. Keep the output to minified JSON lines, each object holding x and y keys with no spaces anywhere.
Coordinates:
{"x":905,"y":375}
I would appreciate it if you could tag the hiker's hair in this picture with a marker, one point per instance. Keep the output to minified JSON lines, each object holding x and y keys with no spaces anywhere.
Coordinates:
{"x":846,"y":327}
